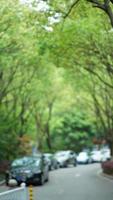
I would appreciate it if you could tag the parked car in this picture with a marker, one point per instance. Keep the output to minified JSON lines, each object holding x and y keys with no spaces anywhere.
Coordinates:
{"x":83,"y":158}
{"x":65,"y":158}
{"x":29,"y":169}
{"x":96,"y":156}
{"x":51,"y":160}
{"x":106,"y":155}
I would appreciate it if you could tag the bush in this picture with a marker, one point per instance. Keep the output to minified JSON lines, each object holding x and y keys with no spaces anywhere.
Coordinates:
{"x":107,"y":167}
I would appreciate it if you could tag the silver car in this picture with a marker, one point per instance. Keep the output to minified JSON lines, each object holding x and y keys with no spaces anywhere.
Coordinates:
{"x":65,"y":158}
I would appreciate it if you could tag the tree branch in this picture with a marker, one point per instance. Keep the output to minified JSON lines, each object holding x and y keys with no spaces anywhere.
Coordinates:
{"x":99,"y":77}
{"x":97,"y":4}
{"x":70,"y":9}
{"x":105,"y":6}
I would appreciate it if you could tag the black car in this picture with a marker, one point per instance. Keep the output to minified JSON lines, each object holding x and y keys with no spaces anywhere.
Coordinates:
{"x":29,"y":169}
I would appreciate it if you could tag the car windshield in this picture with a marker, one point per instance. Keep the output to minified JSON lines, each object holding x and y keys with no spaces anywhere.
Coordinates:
{"x":82,"y":154}
{"x":61,"y":154}
{"x":96,"y":153}
{"x":25,"y":161}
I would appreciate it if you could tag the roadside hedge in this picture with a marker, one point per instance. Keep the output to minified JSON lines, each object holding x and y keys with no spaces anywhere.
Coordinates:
{"x":107,"y":167}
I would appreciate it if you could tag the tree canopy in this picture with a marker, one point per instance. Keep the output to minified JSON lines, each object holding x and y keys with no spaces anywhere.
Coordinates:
{"x":56,"y":76}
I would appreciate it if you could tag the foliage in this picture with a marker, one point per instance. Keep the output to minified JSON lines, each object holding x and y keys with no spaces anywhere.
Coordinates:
{"x":25,"y":145}
{"x":75,"y":131}
{"x":83,"y":46}
{"x":16,"y":57}
{"x":45,"y":74}
{"x":8,"y":149}
{"x":107,"y":167}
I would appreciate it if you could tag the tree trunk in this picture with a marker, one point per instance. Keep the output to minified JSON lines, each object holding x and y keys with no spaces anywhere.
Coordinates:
{"x":48,"y":138}
{"x":47,"y":125}
{"x":111,"y":147}
{"x":39,"y":133}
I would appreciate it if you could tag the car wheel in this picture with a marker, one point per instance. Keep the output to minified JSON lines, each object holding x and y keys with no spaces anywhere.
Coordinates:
{"x":75,"y":164}
{"x":47,"y":179}
{"x":65,"y":164}
{"x":7,"y":179}
{"x":50,"y":167}
{"x":57,"y":166}
{"x":6,"y":182}
{"x":41,"y":182}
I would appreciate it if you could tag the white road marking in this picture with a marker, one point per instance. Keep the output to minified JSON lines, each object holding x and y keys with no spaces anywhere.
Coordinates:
{"x":77,"y":175}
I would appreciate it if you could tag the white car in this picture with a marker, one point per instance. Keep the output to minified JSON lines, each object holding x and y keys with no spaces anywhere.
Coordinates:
{"x":96,"y":156}
{"x":101,"y":155}
{"x":83,"y":158}
{"x":65,"y":158}
{"x":106,"y":155}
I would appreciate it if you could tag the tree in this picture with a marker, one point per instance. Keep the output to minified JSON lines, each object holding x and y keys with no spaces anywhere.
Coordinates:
{"x":19,"y":58}
{"x":67,"y":8}
{"x":74,"y":131}
{"x":84,"y":47}
{"x":105,"y":6}
{"x":44,"y":74}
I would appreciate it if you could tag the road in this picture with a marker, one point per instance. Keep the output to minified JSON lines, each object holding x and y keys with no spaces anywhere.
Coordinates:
{"x":83,"y":182}
{"x":80,"y":183}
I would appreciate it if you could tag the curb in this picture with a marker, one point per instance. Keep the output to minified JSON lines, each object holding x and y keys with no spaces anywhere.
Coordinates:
{"x":107,"y":175}
{"x":104,"y":176}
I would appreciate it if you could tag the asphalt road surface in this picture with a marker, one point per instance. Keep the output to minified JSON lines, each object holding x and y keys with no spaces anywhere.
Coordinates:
{"x":83,"y":182}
